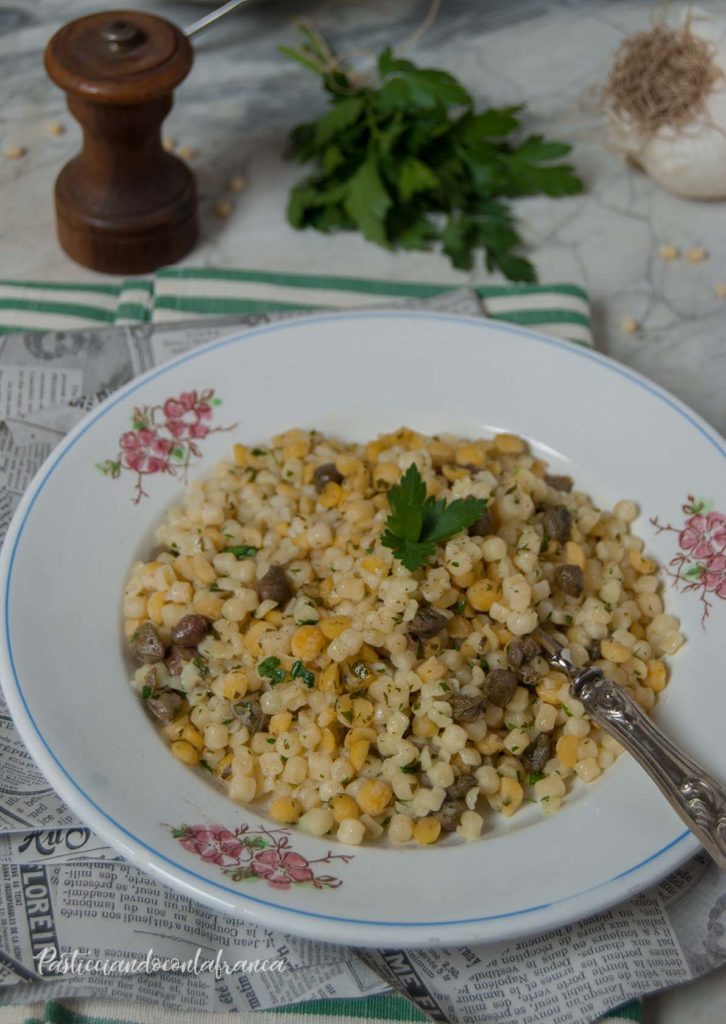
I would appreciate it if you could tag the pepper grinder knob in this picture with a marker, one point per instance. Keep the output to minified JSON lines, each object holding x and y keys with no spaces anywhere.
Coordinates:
{"x":123,"y":204}
{"x":121,"y":35}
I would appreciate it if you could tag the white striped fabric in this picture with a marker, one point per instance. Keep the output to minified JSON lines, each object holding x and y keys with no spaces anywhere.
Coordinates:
{"x":175,"y":295}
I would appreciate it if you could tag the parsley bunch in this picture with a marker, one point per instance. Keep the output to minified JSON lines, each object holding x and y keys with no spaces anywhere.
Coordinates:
{"x":408,"y":162}
{"x":418,"y":523}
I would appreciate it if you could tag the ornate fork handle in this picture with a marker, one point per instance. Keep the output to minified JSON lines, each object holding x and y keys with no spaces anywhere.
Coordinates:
{"x":696,"y":796}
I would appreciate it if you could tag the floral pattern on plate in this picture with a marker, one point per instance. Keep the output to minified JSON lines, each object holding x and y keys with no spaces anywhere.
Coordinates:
{"x":164,"y":438}
{"x":249,"y":854}
{"x":700,"y":564}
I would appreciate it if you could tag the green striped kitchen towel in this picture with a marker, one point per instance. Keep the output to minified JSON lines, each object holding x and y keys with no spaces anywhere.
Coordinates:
{"x":174,"y":295}
{"x":381,"y":1009}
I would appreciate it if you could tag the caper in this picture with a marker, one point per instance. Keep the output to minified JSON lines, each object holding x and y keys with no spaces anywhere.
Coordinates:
{"x":569,"y":579}
{"x":189,"y":631}
{"x":499,"y":686}
{"x":557,"y":522}
{"x":146,"y":645}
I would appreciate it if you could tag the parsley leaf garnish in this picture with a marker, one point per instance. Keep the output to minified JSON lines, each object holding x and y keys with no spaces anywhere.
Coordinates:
{"x":418,"y":523}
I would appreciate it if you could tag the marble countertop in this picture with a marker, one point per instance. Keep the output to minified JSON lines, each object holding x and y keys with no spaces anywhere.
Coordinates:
{"x":241,"y":99}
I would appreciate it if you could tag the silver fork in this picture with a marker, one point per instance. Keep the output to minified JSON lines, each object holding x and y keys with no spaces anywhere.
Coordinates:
{"x":692,"y":792}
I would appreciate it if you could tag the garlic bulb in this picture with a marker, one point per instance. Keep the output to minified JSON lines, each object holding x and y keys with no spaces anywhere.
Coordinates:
{"x":665,"y":104}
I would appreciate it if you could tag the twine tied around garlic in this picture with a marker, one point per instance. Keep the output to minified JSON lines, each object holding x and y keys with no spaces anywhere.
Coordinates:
{"x":665,"y":104}
{"x":662,"y":77}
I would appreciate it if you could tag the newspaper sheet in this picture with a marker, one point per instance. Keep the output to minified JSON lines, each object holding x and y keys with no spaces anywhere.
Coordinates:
{"x":68,"y":896}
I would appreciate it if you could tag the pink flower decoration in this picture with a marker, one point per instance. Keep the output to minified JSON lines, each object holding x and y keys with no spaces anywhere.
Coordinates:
{"x":700,"y":564}
{"x":259,"y":853}
{"x":214,"y":844}
{"x":186,"y":414}
{"x":703,"y":535}
{"x":164,"y":438}
{"x":144,"y":451}
{"x":280,"y":868}
{"x":716,"y":525}
{"x":714,"y":577}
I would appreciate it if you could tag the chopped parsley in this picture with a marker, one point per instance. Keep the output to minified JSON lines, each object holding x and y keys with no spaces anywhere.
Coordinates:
{"x":206,"y":766}
{"x":545,"y":542}
{"x":214,"y":587}
{"x":568,"y":620}
{"x":535,"y":777}
{"x":307,"y":622}
{"x":259,"y":452}
{"x":270,"y":669}
{"x":484,"y":664}
{"x":240,"y":551}
{"x":201,"y":665}
{"x":410,"y":768}
{"x":461,"y":603}
{"x":563,"y":707}
{"x":299,"y":670}
{"x":145,"y":692}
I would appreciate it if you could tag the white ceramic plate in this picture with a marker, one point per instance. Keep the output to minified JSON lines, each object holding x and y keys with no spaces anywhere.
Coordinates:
{"x":77,"y":530}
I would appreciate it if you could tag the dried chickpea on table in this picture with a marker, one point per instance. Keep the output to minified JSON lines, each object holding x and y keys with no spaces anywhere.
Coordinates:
{"x":357,"y":685}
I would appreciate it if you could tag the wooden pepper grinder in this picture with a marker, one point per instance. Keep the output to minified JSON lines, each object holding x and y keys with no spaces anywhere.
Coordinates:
{"x":123,"y":205}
